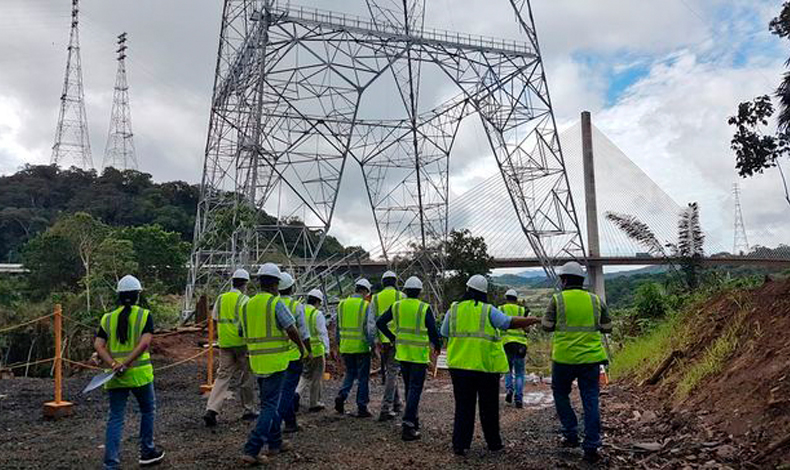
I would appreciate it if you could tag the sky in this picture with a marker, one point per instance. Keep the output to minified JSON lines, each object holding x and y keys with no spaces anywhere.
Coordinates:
{"x":660,"y":78}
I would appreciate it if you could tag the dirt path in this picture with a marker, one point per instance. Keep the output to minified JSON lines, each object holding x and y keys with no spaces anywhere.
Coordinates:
{"x":326,"y":441}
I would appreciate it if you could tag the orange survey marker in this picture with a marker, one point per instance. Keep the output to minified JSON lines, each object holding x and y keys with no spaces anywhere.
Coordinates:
{"x":603,"y":376}
{"x":58,"y":408}
{"x":206,"y":388}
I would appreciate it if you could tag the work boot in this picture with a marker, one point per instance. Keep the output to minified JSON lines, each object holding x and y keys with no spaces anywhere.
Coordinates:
{"x":286,"y":446}
{"x":152,"y":457}
{"x":387,"y":416}
{"x":340,"y":405}
{"x":254,"y":460}
{"x":591,"y":456}
{"x":210,"y":418}
{"x":569,"y":443}
{"x":396,"y":408}
{"x":509,"y":397}
{"x":459,"y":452}
{"x":519,"y":404}
{"x":249,"y":416}
{"x":410,"y":434}
{"x":291,"y":428}
{"x":363,"y":413}
{"x":496,"y":448}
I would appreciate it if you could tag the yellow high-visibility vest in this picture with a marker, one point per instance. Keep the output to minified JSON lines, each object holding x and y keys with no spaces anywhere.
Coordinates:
{"x":140,"y":372}
{"x":473,"y":343}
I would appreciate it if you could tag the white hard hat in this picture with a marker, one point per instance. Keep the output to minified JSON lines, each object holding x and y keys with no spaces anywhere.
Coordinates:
{"x":362,"y":282}
{"x":413,"y":283}
{"x":286,"y":281}
{"x":571,"y":268}
{"x":269,"y":269}
{"x":511,"y":293}
{"x":316,"y":293}
{"x":241,"y":274}
{"x":478,"y":283}
{"x":129,"y":283}
{"x":389,"y":274}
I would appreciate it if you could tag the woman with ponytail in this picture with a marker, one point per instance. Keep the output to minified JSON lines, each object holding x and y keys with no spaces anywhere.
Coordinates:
{"x":122,"y":342}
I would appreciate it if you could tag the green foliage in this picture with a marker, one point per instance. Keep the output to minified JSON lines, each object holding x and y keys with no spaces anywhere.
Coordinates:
{"x":161,"y":256}
{"x":53,"y":263}
{"x":466,"y":255}
{"x":639,"y":357}
{"x":650,"y":301}
{"x":113,"y":259}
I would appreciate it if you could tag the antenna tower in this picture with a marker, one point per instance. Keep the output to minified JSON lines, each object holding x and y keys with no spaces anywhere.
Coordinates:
{"x":119,"y":152}
{"x":72,"y":144}
{"x":740,"y":244}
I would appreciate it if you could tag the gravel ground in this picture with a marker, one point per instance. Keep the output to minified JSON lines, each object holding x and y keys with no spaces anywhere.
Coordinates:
{"x":327,"y":440}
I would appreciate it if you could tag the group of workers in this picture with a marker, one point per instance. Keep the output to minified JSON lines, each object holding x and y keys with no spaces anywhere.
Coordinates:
{"x":283,"y":342}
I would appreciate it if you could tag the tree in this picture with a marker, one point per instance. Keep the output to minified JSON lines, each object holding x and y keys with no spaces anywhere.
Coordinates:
{"x":465,"y":255}
{"x":113,"y":259}
{"x":649,"y":301}
{"x":53,"y":264}
{"x":85,"y":234}
{"x":161,"y":256}
{"x":755,"y":148}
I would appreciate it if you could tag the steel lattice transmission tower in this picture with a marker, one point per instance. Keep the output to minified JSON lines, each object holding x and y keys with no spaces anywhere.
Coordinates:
{"x":119,"y":152}
{"x":301,"y":93}
{"x":740,"y":244}
{"x":72,"y":144}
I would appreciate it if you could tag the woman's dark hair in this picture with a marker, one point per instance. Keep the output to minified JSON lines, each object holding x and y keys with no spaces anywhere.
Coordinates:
{"x":412,"y":293}
{"x":475,"y":295}
{"x":127,"y":300}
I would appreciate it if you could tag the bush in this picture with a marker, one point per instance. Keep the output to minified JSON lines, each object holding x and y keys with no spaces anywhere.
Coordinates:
{"x":650,"y":301}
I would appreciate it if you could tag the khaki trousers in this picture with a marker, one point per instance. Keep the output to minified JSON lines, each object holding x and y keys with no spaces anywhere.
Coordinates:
{"x":232,"y":361}
{"x":312,"y":377}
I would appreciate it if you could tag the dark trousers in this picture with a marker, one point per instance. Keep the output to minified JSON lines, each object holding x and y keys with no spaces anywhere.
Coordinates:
{"x":357,"y":369}
{"x":562,"y":377}
{"x":470,"y":387}
{"x":413,"y":381}
{"x":290,"y":382}
{"x":267,"y":429}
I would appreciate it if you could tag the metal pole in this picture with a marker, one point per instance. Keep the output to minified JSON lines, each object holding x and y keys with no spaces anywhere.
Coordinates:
{"x":594,"y":270}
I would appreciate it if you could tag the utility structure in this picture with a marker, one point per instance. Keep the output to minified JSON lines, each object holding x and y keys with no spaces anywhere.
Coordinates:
{"x":119,"y":151}
{"x":740,"y":244}
{"x":300,"y":94}
{"x":72,"y":144}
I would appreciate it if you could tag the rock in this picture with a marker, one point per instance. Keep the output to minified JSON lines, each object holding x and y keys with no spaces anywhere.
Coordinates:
{"x":648,"y":446}
{"x":648,"y":417}
{"x":726,"y":451}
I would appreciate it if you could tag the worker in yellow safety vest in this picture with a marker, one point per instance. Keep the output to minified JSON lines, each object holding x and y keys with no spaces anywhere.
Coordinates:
{"x":232,"y":352}
{"x":476,"y":359}
{"x":313,"y":374}
{"x":355,"y":338}
{"x":515,"y":341}
{"x":122,"y":343}
{"x":295,"y":366}
{"x":390,"y":369}
{"x":415,"y":332}
{"x":268,"y":327}
{"x":578,"y":319}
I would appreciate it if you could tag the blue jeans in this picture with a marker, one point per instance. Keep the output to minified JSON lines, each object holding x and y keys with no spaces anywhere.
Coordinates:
{"x":357,"y":368}
{"x":290,"y":382}
{"x":267,"y":428}
{"x":562,"y":377}
{"x":413,"y":381}
{"x":516,"y":366}
{"x":146,"y":401}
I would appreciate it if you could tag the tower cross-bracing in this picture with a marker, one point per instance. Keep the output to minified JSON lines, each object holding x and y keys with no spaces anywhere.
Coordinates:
{"x":300,"y":94}
{"x":119,"y":152}
{"x":72,"y":144}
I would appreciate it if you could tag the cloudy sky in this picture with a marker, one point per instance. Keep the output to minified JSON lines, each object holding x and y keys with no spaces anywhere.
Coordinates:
{"x":660,"y":77}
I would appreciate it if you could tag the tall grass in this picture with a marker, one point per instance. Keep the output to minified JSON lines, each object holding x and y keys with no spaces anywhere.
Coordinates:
{"x":639,"y":357}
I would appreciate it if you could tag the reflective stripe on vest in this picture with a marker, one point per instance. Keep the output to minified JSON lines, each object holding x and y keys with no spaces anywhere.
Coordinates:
{"x":413,"y":343}
{"x":473,"y":342}
{"x":515,"y":335}
{"x":293,"y":305}
{"x":140,"y":372}
{"x":267,"y":345}
{"x":351,"y":317}
{"x":311,"y":316}
{"x":228,"y":308}
{"x":577,"y":337}
{"x":381,"y":302}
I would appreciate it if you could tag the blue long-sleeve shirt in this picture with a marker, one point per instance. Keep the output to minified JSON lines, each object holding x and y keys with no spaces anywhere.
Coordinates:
{"x":499,"y":319}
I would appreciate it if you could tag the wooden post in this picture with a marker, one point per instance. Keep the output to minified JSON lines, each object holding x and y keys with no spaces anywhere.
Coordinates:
{"x":58,"y":408}
{"x":206,"y":388}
